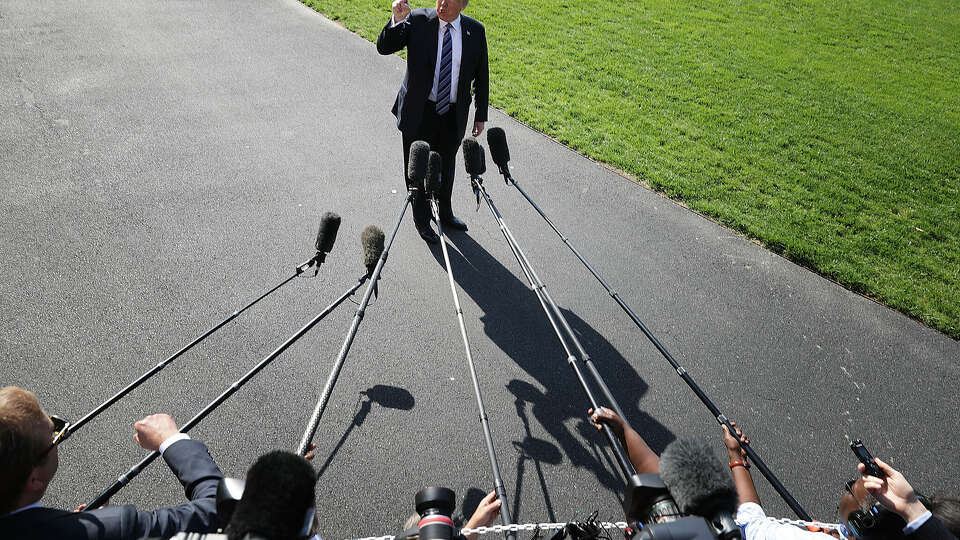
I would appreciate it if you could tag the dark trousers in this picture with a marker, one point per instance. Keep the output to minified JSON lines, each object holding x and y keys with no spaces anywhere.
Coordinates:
{"x":440,"y":132}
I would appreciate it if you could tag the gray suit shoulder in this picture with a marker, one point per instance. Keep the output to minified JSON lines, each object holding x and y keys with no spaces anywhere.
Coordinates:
{"x":423,"y":14}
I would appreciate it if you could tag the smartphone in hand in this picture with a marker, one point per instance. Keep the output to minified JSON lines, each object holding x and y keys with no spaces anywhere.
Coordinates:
{"x":864,"y":456}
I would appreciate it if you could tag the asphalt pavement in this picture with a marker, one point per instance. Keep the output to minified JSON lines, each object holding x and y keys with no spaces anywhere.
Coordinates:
{"x":163,"y":163}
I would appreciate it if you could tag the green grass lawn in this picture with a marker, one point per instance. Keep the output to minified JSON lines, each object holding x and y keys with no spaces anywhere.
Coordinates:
{"x":829,"y":131}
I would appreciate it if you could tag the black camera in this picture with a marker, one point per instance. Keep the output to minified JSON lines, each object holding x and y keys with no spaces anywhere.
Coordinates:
{"x":435,"y":506}
{"x":654,"y":514}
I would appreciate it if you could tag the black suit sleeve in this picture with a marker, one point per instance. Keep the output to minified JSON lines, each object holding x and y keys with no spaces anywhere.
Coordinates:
{"x":933,"y":529}
{"x":198,"y":474}
{"x":393,"y":39}
{"x":481,"y":83}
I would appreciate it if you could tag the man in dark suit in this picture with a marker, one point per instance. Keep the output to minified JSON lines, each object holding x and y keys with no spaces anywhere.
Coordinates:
{"x":29,"y":460}
{"x":446,"y":55}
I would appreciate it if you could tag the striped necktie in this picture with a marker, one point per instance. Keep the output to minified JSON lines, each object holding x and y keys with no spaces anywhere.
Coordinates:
{"x":446,"y":64}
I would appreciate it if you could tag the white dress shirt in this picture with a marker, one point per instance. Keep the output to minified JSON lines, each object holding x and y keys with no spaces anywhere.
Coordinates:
{"x":755,"y":524}
{"x":457,"y":42}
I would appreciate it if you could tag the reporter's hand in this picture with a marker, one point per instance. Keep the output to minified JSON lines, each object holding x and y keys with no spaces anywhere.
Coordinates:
{"x":104,"y":505}
{"x":477,"y":128}
{"x":893,"y":492}
{"x":604,"y":415}
{"x":733,"y":442}
{"x":486,"y":512}
{"x":153,"y":430}
{"x":401,"y":8}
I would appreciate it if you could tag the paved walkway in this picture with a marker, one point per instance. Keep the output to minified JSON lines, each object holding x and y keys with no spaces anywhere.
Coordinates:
{"x":162,"y":163}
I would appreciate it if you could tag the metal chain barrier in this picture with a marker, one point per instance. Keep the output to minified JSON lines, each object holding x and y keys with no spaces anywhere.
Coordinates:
{"x":806,"y":524}
{"x":534,"y":526}
{"x":514,"y":528}
{"x":606,"y":525}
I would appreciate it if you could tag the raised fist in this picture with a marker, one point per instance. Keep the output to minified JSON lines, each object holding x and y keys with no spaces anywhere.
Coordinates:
{"x":401,"y":8}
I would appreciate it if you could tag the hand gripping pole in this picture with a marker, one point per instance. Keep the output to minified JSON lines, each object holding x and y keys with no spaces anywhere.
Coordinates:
{"x":719,"y":416}
{"x":553,"y":314}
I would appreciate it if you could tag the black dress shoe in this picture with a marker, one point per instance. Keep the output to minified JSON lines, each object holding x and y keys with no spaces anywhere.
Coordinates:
{"x":454,"y":223}
{"x":428,"y":235}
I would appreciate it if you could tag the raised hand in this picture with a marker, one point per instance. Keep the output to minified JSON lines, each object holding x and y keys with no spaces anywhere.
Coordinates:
{"x":733,"y":443}
{"x":153,"y":430}
{"x":894,"y":491}
{"x":401,"y":8}
{"x":486,"y":512}
{"x":604,"y":415}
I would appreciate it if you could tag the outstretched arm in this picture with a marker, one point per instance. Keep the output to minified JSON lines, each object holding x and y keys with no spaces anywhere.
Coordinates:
{"x":483,"y":516}
{"x":746,"y":490}
{"x":194,"y":468}
{"x":643,"y":458}
{"x":393,"y":37}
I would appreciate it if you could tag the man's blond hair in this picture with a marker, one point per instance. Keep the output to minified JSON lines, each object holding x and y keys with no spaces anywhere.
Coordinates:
{"x":24,"y":436}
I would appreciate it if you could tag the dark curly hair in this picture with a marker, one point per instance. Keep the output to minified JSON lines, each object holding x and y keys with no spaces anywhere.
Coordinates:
{"x":279,"y":490}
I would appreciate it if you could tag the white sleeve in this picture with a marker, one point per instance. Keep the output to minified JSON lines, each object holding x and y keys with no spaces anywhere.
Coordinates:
{"x":755,"y":524}
{"x":170,"y":440}
{"x":917,"y":523}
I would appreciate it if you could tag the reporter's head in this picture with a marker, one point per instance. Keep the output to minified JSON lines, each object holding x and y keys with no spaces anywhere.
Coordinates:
{"x":278,"y":494}
{"x":28,"y":460}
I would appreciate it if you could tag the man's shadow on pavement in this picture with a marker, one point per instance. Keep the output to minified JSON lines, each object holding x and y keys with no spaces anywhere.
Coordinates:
{"x":514,"y":320}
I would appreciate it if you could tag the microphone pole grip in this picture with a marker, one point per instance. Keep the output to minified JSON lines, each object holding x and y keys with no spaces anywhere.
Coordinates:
{"x":768,"y":474}
{"x":104,"y":497}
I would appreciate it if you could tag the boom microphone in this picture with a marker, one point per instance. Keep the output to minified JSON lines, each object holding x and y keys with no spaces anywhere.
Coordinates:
{"x":432,"y":181}
{"x":473,"y":158}
{"x":371,"y":239}
{"x":417,"y":164}
{"x":326,"y":236}
{"x":497,"y":141}
{"x":700,"y":484}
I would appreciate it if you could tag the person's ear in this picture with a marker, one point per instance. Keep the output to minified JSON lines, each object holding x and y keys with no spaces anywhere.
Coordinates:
{"x":37,"y":481}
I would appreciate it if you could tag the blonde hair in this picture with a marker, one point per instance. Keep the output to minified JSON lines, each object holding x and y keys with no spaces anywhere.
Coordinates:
{"x":412,"y":522}
{"x":23,"y":437}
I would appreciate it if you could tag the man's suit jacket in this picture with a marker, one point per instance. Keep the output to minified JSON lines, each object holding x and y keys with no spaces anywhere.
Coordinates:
{"x":419,"y":33}
{"x":932,"y":529}
{"x":195,"y":469}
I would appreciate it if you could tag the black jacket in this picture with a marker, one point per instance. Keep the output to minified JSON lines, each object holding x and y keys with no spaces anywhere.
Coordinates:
{"x":195,"y":469}
{"x":419,"y":34}
{"x":932,"y":529}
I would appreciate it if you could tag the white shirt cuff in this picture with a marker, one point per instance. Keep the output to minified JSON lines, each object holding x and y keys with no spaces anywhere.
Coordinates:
{"x":917,"y":523}
{"x":394,"y":22}
{"x":172,"y":439}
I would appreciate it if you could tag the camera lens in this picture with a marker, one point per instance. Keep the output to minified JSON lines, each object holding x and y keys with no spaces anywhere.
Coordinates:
{"x":435,"y":505}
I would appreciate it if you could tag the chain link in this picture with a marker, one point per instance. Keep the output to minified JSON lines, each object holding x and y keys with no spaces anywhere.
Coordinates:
{"x":804,"y":524}
{"x":514,"y":528}
{"x":605,"y":524}
{"x":535,"y":526}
